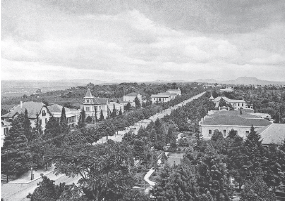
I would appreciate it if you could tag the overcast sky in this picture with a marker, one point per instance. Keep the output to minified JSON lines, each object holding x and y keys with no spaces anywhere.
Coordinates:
{"x":148,"y":40}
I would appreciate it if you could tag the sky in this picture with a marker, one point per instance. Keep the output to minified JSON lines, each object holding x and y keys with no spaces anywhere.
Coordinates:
{"x":147,"y":40}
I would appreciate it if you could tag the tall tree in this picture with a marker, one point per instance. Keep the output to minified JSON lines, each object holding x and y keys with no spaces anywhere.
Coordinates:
{"x":120,"y":112}
{"x":82,"y":117}
{"x":15,"y":154}
{"x":101,"y":115}
{"x":63,"y":122}
{"x":137,"y":102}
{"x":128,"y":107}
{"x":27,"y":126}
{"x":114,"y":112}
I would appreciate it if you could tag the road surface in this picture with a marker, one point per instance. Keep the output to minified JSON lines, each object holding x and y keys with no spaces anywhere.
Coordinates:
{"x":135,"y":128}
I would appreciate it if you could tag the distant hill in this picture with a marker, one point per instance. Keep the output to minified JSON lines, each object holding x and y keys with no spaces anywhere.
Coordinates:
{"x":243,"y":80}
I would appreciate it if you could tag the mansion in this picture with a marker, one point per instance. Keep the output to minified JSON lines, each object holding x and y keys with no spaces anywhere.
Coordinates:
{"x":224,"y":121}
{"x":130,"y":98}
{"x":37,"y":111}
{"x":236,"y":104}
{"x":170,"y":94}
{"x":94,"y":105}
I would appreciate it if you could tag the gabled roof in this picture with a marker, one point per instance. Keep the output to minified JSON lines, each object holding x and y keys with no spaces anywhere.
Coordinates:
{"x":274,"y":133}
{"x":33,"y":108}
{"x":132,"y":94}
{"x":88,"y":94}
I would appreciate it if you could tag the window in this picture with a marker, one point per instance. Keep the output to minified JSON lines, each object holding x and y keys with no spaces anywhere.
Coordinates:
{"x":87,"y":109}
{"x":210,"y":132}
{"x":247,"y":133}
{"x":43,"y":113}
{"x":45,"y":120}
{"x":87,"y":101}
{"x":224,"y":133}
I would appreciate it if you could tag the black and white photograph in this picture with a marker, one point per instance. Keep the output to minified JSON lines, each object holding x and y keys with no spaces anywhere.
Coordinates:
{"x":143,"y":100}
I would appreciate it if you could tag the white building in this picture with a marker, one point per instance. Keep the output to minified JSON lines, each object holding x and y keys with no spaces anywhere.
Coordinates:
{"x":93,"y":105}
{"x":131,"y":98}
{"x":166,"y":96}
{"x":43,"y":112}
{"x":236,"y":104}
{"x":224,"y":121}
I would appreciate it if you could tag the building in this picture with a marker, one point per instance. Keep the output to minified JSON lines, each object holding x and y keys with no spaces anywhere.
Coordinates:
{"x":175,"y":91}
{"x":166,"y":96}
{"x":72,"y":115}
{"x":225,"y":121}
{"x":94,"y":105}
{"x":229,"y":90}
{"x":43,"y":112}
{"x":272,"y":134}
{"x":34,"y":109}
{"x":131,"y":98}
{"x":5,"y":127}
{"x":236,"y":104}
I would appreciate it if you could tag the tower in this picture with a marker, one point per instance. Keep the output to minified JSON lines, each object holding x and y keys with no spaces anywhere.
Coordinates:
{"x":88,"y":103}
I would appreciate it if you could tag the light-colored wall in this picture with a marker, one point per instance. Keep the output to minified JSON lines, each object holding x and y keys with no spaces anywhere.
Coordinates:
{"x":131,"y":99}
{"x":157,"y":99}
{"x":42,"y":118}
{"x":240,"y":129}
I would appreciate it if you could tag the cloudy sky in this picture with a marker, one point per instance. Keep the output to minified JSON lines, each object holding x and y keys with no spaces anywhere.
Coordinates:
{"x":145,"y":40}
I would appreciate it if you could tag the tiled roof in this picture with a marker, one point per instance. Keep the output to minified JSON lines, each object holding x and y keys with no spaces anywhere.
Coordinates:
{"x":234,"y":118}
{"x":274,"y":133}
{"x":33,"y":108}
{"x":132,"y":94}
{"x":88,"y":94}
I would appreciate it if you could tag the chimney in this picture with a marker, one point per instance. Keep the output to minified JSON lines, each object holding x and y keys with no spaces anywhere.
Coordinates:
{"x":21,"y":104}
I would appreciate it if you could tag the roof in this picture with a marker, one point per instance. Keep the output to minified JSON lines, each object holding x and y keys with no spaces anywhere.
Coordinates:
{"x":100,"y":101}
{"x":33,"y":108}
{"x":58,"y":108}
{"x":234,"y":118}
{"x":228,"y":100}
{"x":165,"y":94}
{"x":174,"y":90}
{"x":274,"y":133}
{"x":88,"y":94}
{"x":132,"y":94}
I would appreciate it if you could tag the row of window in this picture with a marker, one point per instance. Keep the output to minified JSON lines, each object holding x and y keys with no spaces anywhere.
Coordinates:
{"x":225,"y":132}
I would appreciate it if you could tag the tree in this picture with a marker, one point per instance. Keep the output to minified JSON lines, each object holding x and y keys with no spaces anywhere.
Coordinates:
{"x":222,"y":102}
{"x":256,"y":190}
{"x":114,"y":112}
{"x":82,"y":117}
{"x":63,"y":122}
{"x":89,"y":119}
{"x":52,"y":128}
{"x":137,"y":102}
{"x":101,"y":115}
{"x":27,"y":126}
{"x":128,"y":107}
{"x":138,"y":148}
{"x":214,"y":94}
{"x":120,"y":112}
{"x":47,"y":190}
{"x":15,"y":154}
{"x":105,"y":168}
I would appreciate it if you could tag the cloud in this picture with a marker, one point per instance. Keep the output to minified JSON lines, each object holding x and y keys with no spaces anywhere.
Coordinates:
{"x":126,"y":44}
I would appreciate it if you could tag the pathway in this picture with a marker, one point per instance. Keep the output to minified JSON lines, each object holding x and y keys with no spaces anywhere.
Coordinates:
{"x":135,"y":128}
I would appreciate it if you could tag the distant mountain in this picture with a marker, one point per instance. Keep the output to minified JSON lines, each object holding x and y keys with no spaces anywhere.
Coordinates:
{"x":244,"y":81}
{"x":207,"y":80}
